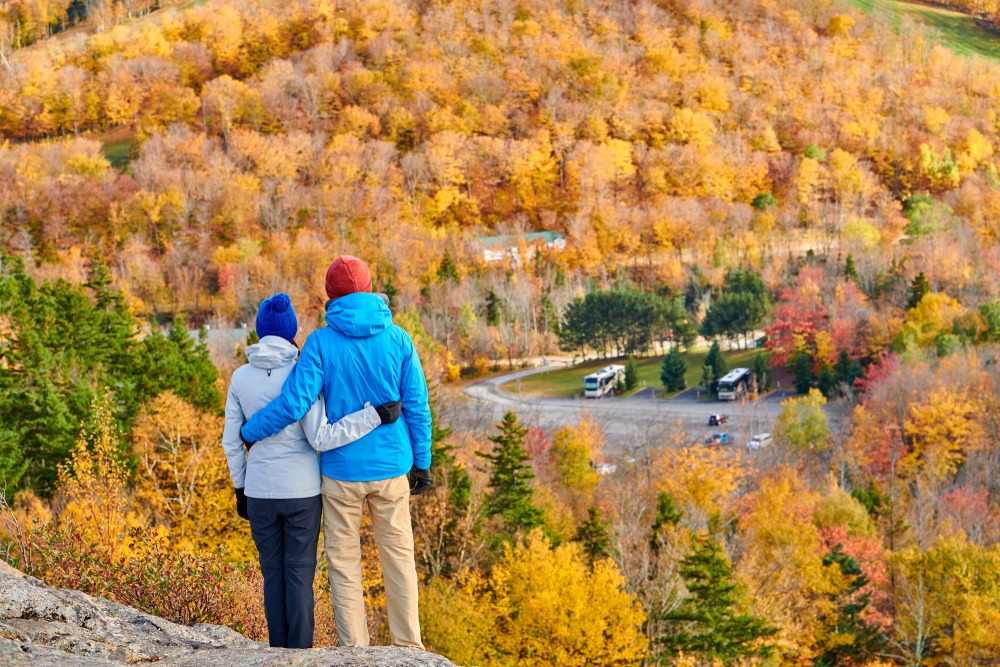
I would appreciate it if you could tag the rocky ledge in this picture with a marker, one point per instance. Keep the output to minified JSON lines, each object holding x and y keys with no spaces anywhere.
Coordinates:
{"x":48,"y":627}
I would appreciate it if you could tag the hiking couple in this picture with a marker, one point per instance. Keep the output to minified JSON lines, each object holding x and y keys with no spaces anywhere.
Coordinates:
{"x":279,"y":413}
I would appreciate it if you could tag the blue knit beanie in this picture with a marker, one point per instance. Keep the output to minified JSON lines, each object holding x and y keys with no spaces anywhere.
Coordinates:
{"x":276,"y":317}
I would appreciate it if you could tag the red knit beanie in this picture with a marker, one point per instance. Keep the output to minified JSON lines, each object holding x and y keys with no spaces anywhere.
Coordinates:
{"x":347,"y":275}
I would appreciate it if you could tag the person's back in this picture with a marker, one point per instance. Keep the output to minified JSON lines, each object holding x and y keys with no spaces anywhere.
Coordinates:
{"x":283,"y":465}
{"x":364,"y":354}
{"x":277,"y":480}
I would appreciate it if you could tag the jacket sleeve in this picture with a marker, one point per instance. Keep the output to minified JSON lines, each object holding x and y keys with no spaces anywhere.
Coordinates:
{"x":324,"y":436}
{"x":231,"y":443}
{"x":298,"y":394}
{"x":416,"y":409}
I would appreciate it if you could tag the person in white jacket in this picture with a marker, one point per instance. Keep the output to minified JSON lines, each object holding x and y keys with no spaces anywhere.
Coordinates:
{"x":277,"y":480}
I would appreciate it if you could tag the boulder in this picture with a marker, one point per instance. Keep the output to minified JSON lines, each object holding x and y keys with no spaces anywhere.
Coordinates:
{"x":50,"y":627}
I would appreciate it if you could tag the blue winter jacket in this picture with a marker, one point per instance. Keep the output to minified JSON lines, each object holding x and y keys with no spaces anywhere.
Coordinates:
{"x":359,"y":356}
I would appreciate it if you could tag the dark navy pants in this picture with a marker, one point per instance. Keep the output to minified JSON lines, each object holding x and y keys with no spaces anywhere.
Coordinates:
{"x":286,"y":532}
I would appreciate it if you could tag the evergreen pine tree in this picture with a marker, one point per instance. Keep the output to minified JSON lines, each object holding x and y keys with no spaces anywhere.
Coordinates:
{"x":447,"y":272}
{"x":666,"y":515}
{"x":492,"y":308}
{"x":717,"y":363}
{"x":706,"y":377}
{"x":709,"y":623}
{"x":842,"y":369}
{"x":593,"y":534}
{"x":918,"y":288}
{"x":631,"y":374}
{"x":856,"y":372}
{"x":827,"y":381}
{"x":41,"y":406}
{"x":117,"y":331}
{"x":847,"y":370}
{"x":673,"y":370}
{"x":850,"y":271}
{"x":866,"y":641}
{"x":447,"y":472}
{"x":716,"y":360}
{"x":761,"y":368}
{"x":549,"y":312}
{"x":71,"y":344}
{"x":510,"y":496}
{"x":178,"y":363}
{"x":802,"y":370}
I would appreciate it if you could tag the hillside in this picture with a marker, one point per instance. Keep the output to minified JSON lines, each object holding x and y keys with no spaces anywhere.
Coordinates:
{"x":654,"y":139}
{"x":962,"y":33}
{"x":691,"y":170}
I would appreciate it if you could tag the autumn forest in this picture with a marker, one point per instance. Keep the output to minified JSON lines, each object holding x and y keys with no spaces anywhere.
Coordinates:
{"x":799,"y":175}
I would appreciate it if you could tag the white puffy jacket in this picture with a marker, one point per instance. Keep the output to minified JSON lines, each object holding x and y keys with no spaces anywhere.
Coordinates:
{"x":284,"y":465}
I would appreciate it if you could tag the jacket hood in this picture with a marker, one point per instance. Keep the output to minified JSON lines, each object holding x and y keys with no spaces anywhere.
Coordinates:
{"x":271,"y":352}
{"x":359,"y":315}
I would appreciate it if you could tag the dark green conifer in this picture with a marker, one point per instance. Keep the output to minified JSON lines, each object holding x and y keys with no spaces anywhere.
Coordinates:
{"x":593,"y":534}
{"x":631,"y":374}
{"x":850,"y":271}
{"x":918,"y":288}
{"x":802,"y":372}
{"x":761,"y":368}
{"x":864,"y":640}
{"x":510,"y":496}
{"x":492,"y":308}
{"x":666,"y":515}
{"x":709,"y":622}
{"x":673,"y":370}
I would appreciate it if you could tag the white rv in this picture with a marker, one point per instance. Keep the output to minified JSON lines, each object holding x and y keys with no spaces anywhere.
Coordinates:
{"x":602,"y":382}
{"x":734,"y":384}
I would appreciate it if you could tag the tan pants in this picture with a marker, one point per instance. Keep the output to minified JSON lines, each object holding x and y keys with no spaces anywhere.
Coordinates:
{"x":389,"y":504}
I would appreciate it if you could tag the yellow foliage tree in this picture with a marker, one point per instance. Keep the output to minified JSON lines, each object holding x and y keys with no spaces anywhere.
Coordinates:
{"x":782,"y":564}
{"x":809,"y":179}
{"x":576,"y":449}
{"x":701,"y":481}
{"x":932,"y":317}
{"x":545,"y":607}
{"x":183,"y":476}
{"x":95,"y":485}
{"x":692,"y":127}
{"x":948,"y":594}
{"x":802,"y":424}
{"x":942,"y":428}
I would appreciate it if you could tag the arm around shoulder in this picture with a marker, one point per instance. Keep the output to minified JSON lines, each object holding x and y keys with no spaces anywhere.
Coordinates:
{"x":324,"y":435}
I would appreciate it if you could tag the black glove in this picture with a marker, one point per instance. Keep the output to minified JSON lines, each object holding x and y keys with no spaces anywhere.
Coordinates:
{"x":241,"y":503}
{"x":389,"y":412}
{"x":420,"y":480}
{"x":246,"y":443}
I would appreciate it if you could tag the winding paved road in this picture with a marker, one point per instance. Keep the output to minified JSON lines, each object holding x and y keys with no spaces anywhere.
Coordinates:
{"x":628,"y":423}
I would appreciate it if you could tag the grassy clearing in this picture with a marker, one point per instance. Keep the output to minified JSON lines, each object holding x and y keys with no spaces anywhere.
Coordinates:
{"x":118,"y":146}
{"x":958,"y":32}
{"x":568,"y":382}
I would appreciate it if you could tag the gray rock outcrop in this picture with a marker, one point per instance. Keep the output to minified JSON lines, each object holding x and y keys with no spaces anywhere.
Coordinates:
{"x":49,"y":627}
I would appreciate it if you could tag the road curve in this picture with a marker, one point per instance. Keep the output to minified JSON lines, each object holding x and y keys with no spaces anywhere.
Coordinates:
{"x":627,"y":422}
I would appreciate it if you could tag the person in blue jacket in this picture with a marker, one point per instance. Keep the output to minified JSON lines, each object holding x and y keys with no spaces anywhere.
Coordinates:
{"x":362,"y":356}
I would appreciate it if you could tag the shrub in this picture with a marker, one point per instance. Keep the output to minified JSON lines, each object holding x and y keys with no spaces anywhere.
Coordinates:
{"x":181,"y":587}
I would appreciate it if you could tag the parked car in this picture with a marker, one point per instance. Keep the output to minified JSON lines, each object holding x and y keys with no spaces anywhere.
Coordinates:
{"x":760,"y":441}
{"x":716,"y":420}
{"x":721,"y":438}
